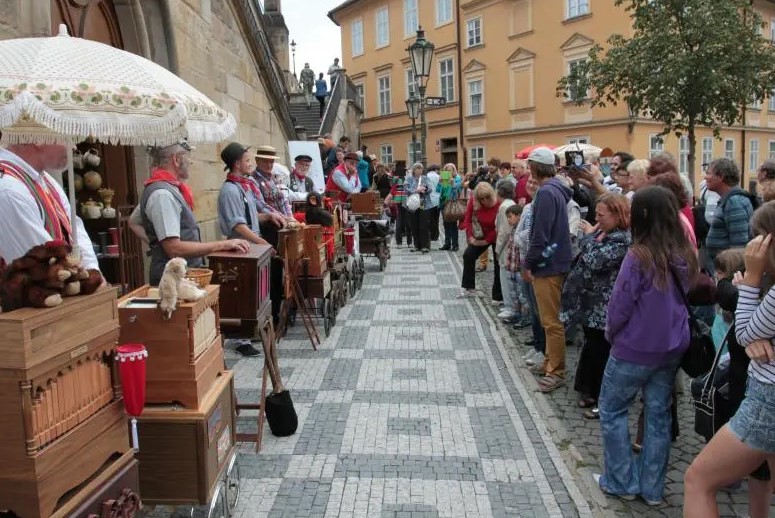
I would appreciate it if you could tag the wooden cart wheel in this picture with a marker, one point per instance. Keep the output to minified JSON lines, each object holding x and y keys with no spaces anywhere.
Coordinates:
{"x":380,"y":255}
{"x":231,"y":482}
{"x":345,"y":292}
{"x":362,"y":264}
{"x":217,"y":507}
{"x":327,"y":317}
{"x":351,"y":287}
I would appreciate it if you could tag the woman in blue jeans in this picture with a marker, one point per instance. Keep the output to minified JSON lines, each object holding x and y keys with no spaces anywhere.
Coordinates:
{"x":648,"y":329}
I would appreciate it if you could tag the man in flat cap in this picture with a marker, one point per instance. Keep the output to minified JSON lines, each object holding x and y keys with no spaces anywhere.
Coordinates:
{"x":165,"y":219}
{"x":301,"y":183}
{"x":344,"y":178}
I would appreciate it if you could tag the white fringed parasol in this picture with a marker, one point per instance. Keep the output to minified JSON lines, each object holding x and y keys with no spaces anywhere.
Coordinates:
{"x":65,"y":90}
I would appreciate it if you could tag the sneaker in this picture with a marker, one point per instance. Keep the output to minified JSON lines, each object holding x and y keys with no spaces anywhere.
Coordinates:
{"x":505,"y":313}
{"x":650,"y":503}
{"x":246,"y":349}
{"x":425,"y":250}
{"x":496,"y":303}
{"x":536,"y":358}
{"x":629,"y":498}
{"x":467,"y":294}
{"x":445,"y":247}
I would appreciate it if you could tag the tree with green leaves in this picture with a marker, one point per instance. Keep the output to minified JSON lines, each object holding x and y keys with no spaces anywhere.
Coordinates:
{"x":688,"y":64}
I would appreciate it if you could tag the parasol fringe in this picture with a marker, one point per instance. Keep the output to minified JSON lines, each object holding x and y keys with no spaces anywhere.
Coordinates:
{"x":64,"y":129}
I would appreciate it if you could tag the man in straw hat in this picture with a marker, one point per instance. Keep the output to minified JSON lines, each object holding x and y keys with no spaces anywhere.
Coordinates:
{"x":33,"y":206}
{"x":344,"y":178}
{"x":166,"y":214}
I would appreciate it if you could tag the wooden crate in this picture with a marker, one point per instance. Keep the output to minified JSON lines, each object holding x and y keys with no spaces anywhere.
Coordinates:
{"x":30,"y":336}
{"x":184,"y":451}
{"x":366,"y":203}
{"x":316,"y":287}
{"x":66,"y":404}
{"x":180,"y":340}
{"x":290,"y":244}
{"x":244,"y":281}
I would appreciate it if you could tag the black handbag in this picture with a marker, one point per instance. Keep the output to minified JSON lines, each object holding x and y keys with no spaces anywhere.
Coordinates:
{"x":278,"y":406}
{"x":698,"y":358}
{"x":710,"y":397}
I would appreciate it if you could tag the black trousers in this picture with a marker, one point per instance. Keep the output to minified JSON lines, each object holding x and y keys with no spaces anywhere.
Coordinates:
{"x":402,"y":226}
{"x":470,"y":256}
{"x":418,"y":222}
{"x":276,"y":281}
{"x":322,"y":101}
{"x":433,"y":223}
{"x":592,"y":361}
{"x":451,"y":234}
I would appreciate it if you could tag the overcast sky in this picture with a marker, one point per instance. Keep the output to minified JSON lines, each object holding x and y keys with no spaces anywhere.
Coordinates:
{"x":317,"y":37}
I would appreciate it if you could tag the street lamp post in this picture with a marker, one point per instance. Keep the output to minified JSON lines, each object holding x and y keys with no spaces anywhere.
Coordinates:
{"x":293,"y":51}
{"x":413,"y":106}
{"x":421,"y":55}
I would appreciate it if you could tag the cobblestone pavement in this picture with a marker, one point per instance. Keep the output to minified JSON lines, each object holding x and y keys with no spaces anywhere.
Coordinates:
{"x":411,"y":408}
{"x":582,"y":438}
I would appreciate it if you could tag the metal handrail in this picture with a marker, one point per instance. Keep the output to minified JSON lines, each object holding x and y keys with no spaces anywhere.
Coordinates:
{"x":329,"y":116}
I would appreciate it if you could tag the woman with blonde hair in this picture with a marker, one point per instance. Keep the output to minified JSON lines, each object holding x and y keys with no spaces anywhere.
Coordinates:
{"x":479,"y":224}
{"x":450,"y":186}
{"x":637,"y":170}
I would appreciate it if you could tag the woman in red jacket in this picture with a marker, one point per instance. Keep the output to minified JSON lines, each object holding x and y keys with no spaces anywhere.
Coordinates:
{"x":479,"y":224}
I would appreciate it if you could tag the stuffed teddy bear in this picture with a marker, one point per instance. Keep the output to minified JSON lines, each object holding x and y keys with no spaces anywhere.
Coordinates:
{"x":174,"y":285}
{"x":44,"y":275}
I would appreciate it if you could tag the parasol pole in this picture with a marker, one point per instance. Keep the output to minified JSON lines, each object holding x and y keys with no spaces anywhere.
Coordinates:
{"x":71,"y":192}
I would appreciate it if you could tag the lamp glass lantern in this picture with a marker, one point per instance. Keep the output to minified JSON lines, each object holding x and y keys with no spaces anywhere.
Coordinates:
{"x":421,"y":55}
{"x":413,"y":107}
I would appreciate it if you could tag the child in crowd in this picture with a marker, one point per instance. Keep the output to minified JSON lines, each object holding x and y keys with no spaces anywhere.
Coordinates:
{"x":726,"y":264}
{"x":513,"y":215}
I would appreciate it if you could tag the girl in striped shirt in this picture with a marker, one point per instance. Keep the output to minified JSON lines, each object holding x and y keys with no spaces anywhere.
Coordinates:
{"x":749,"y":437}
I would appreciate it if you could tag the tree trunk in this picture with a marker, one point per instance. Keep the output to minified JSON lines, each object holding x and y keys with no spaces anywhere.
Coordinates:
{"x":691,"y":159}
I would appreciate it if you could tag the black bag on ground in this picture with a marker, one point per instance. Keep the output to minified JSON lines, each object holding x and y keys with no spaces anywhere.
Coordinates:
{"x":699,"y":357}
{"x":280,"y":414}
{"x":710,"y":397}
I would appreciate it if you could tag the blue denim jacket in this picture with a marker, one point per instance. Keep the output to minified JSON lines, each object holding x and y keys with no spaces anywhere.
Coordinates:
{"x":410,"y":187}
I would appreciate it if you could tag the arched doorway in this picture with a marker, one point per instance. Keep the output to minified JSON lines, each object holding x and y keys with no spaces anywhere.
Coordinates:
{"x":97,"y":20}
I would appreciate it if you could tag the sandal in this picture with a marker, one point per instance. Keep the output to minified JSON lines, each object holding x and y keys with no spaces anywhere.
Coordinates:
{"x":587,"y":402}
{"x":550,"y":383}
{"x":592,"y":413}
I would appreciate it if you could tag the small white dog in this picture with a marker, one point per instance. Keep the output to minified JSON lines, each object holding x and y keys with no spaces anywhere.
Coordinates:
{"x":174,"y":285}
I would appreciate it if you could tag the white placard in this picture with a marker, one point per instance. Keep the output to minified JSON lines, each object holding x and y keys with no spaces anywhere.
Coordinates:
{"x":309,"y":147}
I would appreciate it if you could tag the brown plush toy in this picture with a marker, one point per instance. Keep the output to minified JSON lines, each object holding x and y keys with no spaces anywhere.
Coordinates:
{"x":43,"y":276}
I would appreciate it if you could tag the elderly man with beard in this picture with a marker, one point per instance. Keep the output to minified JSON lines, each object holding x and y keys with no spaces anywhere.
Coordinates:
{"x":301,"y":183}
{"x":165,"y":219}
{"x":33,"y":207}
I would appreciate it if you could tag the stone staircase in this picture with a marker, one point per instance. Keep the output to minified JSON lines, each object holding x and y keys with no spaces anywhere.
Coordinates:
{"x":306,"y":117}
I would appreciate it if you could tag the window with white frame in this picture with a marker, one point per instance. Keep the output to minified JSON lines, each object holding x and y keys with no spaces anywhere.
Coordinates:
{"x":447,"y":79}
{"x":382,"y":35}
{"x":577,"y":7}
{"x":771,"y":101}
{"x":356,"y":31}
{"x":411,"y":17}
{"x":756,"y":103}
{"x":656,"y":145}
{"x":412,"y":157}
{"x":411,"y":85}
{"x":476,"y":155}
{"x":443,"y":11}
{"x":475,"y":97}
{"x":383,"y":89}
{"x":360,"y":94}
{"x":575,"y":91}
{"x":474,"y":31}
{"x":771,"y":155}
{"x":386,"y":154}
{"x":707,"y":150}
{"x":753,"y":155}
{"x":683,"y":154}
{"x":772,"y":30}
{"x":729,"y":149}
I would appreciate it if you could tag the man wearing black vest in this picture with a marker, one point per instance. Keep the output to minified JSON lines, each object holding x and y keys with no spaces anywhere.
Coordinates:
{"x":166,"y":214}
{"x":301,"y":183}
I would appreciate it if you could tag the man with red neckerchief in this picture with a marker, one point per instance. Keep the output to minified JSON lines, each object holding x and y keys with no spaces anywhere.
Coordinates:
{"x":166,"y":214}
{"x":301,"y":183}
{"x":344,"y":179}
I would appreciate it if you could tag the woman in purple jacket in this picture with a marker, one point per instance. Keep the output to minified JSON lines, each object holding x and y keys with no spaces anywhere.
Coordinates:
{"x":648,"y":329}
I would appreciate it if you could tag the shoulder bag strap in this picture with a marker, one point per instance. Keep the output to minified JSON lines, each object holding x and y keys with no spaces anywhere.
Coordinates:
{"x":692,"y":320}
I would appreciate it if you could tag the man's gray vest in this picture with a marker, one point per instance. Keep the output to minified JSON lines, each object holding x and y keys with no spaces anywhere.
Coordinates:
{"x":189,"y":231}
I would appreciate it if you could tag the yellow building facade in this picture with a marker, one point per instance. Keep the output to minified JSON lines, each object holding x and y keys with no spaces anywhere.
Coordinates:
{"x":497,"y":62}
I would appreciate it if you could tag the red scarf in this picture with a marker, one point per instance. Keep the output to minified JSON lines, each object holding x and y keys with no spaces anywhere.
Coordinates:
{"x":297,"y":175}
{"x":246,"y":183}
{"x":162,"y":175}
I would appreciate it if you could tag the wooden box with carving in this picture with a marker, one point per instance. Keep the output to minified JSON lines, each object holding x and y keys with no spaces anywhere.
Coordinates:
{"x":62,"y":402}
{"x":185,"y":353}
{"x":184,"y":451}
{"x":366,"y":203}
{"x":244,"y":295}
